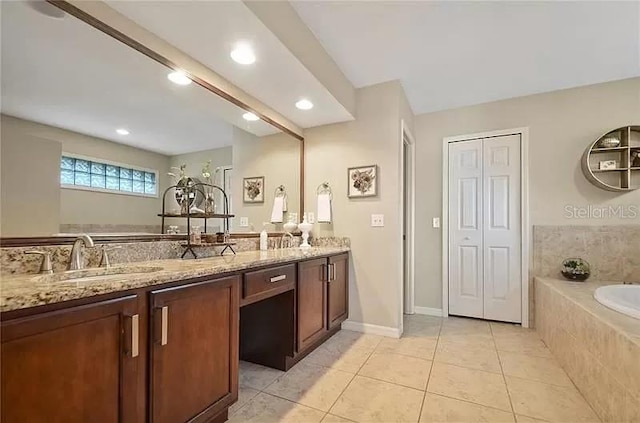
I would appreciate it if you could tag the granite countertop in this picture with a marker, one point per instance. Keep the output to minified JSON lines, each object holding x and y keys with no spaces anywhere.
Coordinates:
{"x":30,"y":290}
{"x":581,"y":293}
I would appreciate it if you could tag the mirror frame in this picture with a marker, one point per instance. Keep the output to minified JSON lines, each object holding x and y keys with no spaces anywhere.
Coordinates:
{"x":141,"y":48}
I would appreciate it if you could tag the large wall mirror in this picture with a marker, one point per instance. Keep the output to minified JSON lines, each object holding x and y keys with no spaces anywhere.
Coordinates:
{"x":91,"y":129}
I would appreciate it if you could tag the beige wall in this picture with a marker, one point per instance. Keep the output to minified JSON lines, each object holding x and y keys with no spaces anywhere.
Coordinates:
{"x":562,"y":124}
{"x":277,"y":158}
{"x":373,"y":138}
{"x":88,"y":207}
{"x":29,"y":184}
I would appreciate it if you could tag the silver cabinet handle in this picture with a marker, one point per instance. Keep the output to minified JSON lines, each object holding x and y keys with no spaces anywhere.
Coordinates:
{"x":164,"y":325}
{"x":135,"y":335}
{"x":332,"y":272}
{"x":278,"y":278}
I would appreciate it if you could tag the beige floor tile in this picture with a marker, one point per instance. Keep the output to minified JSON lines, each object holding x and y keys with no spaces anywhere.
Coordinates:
{"x":527,"y":419}
{"x":311,"y":385}
{"x":265,"y":408}
{"x":339,"y":356}
{"x":415,"y":347}
{"x":529,"y":343}
{"x":257,"y":376}
{"x":534,"y":368}
{"x":470,"y":356}
{"x":400,"y":369}
{"x":508,"y":328}
{"x":421,"y":326}
{"x":465,"y":326}
{"x":549,"y":402}
{"x":244,"y":396}
{"x":372,"y":401}
{"x":480,"y":340}
{"x":441,"y":409}
{"x":348,"y":339}
{"x":330,"y":418}
{"x":477,"y":386}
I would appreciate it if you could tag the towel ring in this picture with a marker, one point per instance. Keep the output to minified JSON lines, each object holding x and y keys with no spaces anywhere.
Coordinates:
{"x":281,"y":191}
{"x":324,"y":188}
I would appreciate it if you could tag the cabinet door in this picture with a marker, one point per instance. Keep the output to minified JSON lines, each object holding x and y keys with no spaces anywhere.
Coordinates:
{"x":312,"y":301}
{"x":194,"y":357}
{"x":338,"y":290}
{"x":74,"y":365}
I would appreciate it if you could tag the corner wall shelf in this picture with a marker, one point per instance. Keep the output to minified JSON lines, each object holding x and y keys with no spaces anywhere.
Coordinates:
{"x":624,"y":177}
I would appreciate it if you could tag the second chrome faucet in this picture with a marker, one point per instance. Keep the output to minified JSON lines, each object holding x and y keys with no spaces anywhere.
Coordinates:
{"x":76,"y":261}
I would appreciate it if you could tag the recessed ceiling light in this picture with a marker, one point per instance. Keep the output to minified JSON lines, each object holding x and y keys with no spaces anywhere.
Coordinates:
{"x":243,"y":54}
{"x":304,"y":104}
{"x":122,"y":131}
{"x":250,"y":117}
{"x":179,"y":77}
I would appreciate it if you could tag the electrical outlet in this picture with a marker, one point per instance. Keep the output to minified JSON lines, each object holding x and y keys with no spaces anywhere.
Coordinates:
{"x":311,"y":218}
{"x":377,"y":220}
{"x":436,"y":222}
{"x":244,"y":222}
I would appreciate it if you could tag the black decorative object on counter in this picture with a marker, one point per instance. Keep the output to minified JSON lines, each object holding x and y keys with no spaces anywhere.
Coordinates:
{"x":576,"y":269}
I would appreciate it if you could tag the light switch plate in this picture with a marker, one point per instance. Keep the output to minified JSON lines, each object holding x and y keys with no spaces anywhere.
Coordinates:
{"x":436,"y":222}
{"x":377,"y":220}
{"x":244,"y":222}
{"x":311,"y":217}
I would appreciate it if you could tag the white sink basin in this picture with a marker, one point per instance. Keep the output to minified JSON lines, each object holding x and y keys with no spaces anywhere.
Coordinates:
{"x":96,"y":274}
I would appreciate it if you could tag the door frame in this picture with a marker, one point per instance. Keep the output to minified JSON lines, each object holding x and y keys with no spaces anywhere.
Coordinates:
{"x":405,"y":134}
{"x":524,"y":210}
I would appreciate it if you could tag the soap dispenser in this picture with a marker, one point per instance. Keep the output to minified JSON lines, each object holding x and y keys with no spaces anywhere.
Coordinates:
{"x":264,"y":238}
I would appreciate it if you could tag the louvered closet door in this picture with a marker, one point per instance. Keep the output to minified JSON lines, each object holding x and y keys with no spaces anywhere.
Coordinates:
{"x":502,"y":229}
{"x":466,"y":292}
{"x":485,"y":228}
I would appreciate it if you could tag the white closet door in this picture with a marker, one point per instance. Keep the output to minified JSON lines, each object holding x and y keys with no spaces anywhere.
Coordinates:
{"x":502,"y":228}
{"x":465,"y":229}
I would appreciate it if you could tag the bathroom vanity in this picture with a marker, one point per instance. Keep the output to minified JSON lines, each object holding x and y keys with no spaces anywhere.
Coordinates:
{"x":162,"y":345}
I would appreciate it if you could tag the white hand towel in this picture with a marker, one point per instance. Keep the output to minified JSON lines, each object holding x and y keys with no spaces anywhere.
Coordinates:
{"x":277,"y":214}
{"x":324,"y":208}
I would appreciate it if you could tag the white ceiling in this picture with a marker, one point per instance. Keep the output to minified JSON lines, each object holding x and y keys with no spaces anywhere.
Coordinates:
{"x":449,"y":54}
{"x":208,"y":30}
{"x":67,"y":74}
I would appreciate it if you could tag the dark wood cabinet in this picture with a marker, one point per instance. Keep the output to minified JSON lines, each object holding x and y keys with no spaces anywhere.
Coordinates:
{"x":78,"y":364}
{"x":323,"y":298}
{"x":338,"y":290}
{"x":194,"y":355}
{"x":165,"y":354}
{"x":312,"y":301}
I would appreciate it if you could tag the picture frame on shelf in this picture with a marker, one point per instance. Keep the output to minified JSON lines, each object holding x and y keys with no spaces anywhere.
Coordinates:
{"x":608,"y":164}
{"x":253,"y":189}
{"x":362,"y":181}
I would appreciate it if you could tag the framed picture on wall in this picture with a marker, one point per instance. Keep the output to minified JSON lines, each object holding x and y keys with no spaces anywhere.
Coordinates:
{"x":253,"y":190}
{"x":363,"y":181}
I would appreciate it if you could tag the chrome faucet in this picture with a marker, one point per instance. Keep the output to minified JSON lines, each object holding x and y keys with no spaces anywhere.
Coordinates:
{"x":283,"y":238}
{"x":76,"y":261}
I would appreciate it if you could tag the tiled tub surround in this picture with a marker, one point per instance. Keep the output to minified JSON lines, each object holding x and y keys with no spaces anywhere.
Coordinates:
{"x":598,"y":348}
{"x":28,"y":290}
{"x":612,"y":251}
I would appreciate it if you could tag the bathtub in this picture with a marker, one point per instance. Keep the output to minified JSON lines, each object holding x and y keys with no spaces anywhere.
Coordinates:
{"x":621,"y":298}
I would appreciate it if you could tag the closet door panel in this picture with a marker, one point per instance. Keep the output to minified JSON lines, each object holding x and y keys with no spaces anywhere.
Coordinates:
{"x":502,"y":228}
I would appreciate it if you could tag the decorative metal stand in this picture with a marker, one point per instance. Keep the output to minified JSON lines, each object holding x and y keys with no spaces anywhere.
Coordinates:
{"x":186,"y":191}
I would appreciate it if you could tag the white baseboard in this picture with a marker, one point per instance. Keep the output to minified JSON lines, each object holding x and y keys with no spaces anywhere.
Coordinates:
{"x":428,"y":311}
{"x":371,"y":329}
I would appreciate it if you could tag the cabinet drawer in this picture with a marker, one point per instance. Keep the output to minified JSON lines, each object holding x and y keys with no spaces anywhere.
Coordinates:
{"x":267,"y":282}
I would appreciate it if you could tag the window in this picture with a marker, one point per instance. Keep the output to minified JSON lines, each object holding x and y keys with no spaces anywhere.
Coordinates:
{"x":96,"y":175}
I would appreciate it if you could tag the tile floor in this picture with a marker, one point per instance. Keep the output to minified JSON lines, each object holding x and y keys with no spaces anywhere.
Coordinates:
{"x":441,"y":370}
